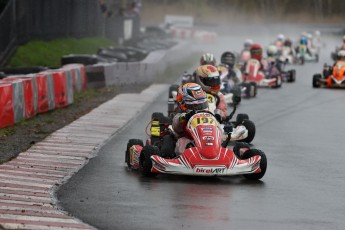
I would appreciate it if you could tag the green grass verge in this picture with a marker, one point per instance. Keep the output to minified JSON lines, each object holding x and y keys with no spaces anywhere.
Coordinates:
{"x":49,"y":53}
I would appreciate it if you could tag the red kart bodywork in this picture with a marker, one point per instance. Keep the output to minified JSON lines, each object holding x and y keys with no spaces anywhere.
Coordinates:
{"x":206,"y":158}
{"x":254,"y":73}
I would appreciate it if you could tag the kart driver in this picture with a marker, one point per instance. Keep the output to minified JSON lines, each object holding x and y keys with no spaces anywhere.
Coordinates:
{"x":191,"y":98}
{"x":256,"y":51}
{"x":228,"y":60}
{"x":208,"y":59}
{"x":208,"y":77}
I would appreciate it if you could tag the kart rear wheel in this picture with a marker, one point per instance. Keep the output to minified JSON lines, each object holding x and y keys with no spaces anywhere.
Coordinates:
{"x":241,"y":117}
{"x":263,"y":163}
{"x":238,"y":146}
{"x":316,"y":80}
{"x":145,"y":162}
{"x":292,"y":75}
{"x":168,"y":147}
{"x":278,"y":81}
{"x":253,"y":89}
{"x":250,"y":126}
{"x":130,"y":143}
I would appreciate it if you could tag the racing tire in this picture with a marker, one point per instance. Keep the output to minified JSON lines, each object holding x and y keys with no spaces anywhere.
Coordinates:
{"x":236,"y":96}
{"x":173,"y":88}
{"x":238,"y":146}
{"x":158,"y":116}
{"x":247,"y":85}
{"x":253,"y":89}
{"x":250,"y":126}
{"x":241,"y":117}
{"x":263,"y":163}
{"x":292,"y":76}
{"x":278,"y":82}
{"x":130,"y":143}
{"x":145,"y":162}
{"x":168,"y":147}
{"x":316,"y":80}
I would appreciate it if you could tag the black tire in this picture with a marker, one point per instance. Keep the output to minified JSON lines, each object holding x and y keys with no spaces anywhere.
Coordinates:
{"x":253,"y":89}
{"x":236,"y":98}
{"x":145,"y":162}
{"x":238,"y":146}
{"x":263,"y":163}
{"x":292,"y":75}
{"x":247,"y":85}
{"x":250,"y":126}
{"x":241,"y":117}
{"x":130,"y":143}
{"x":173,"y":88}
{"x":279,"y":82}
{"x":168,"y":147}
{"x":316,"y":80}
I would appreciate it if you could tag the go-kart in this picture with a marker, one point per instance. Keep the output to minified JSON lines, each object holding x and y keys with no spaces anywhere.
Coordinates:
{"x":233,"y":86}
{"x":269,"y":77}
{"x":243,"y":129}
{"x":332,"y":77}
{"x":206,"y":155}
{"x":288,"y":56}
{"x":287,"y":75}
{"x":303,"y":54}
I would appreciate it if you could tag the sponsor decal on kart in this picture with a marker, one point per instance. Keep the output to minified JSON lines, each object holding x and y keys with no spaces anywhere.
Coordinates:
{"x":210,"y":170}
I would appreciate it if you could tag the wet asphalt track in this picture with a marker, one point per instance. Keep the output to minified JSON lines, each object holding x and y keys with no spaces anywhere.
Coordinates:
{"x":300,"y":129}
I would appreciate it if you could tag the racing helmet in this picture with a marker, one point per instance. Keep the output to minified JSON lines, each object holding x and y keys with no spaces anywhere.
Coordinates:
{"x":341,"y":55}
{"x":192,"y":97}
{"x":207,"y":59}
{"x":303,"y":41}
{"x":280,"y":37}
{"x":256,"y":51}
{"x":272,"y":51}
{"x":228,"y":58}
{"x":288,"y":42}
{"x":247,"y":44}
{"x":208,"y":77}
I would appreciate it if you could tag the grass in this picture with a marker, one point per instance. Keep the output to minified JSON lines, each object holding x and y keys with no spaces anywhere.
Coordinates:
{"x":49,"y":53}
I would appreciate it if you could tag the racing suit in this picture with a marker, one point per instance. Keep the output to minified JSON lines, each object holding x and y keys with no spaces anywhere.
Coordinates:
{"x":179,"y":125}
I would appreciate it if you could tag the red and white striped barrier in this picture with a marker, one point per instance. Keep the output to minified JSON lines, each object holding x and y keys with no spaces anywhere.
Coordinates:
{"x":6,"y":105}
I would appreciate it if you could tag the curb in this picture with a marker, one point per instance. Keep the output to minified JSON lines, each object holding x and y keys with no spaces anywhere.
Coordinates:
{"x":28,"y":182}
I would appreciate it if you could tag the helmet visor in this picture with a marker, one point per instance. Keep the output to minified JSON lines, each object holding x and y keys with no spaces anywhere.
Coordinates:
{"x":211,"y":81}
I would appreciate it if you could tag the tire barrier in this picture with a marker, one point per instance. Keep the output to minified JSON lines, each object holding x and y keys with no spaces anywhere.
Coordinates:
{"x":50,"y":89}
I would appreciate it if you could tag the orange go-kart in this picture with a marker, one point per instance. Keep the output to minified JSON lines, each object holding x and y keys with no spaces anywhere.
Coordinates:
{"x":332,"y":76}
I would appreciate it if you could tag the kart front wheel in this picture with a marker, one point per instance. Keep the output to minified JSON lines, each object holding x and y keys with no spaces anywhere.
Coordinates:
{"x":250,"y":126}
{"x":263,"y":163}
{"x":130,"y":143}
{"x":238,"y":146}
{"x":145,"y":162}
{"x":316,"y":80}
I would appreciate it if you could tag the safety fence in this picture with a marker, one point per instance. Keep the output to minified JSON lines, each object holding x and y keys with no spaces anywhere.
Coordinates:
{"x":24,"y":96}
